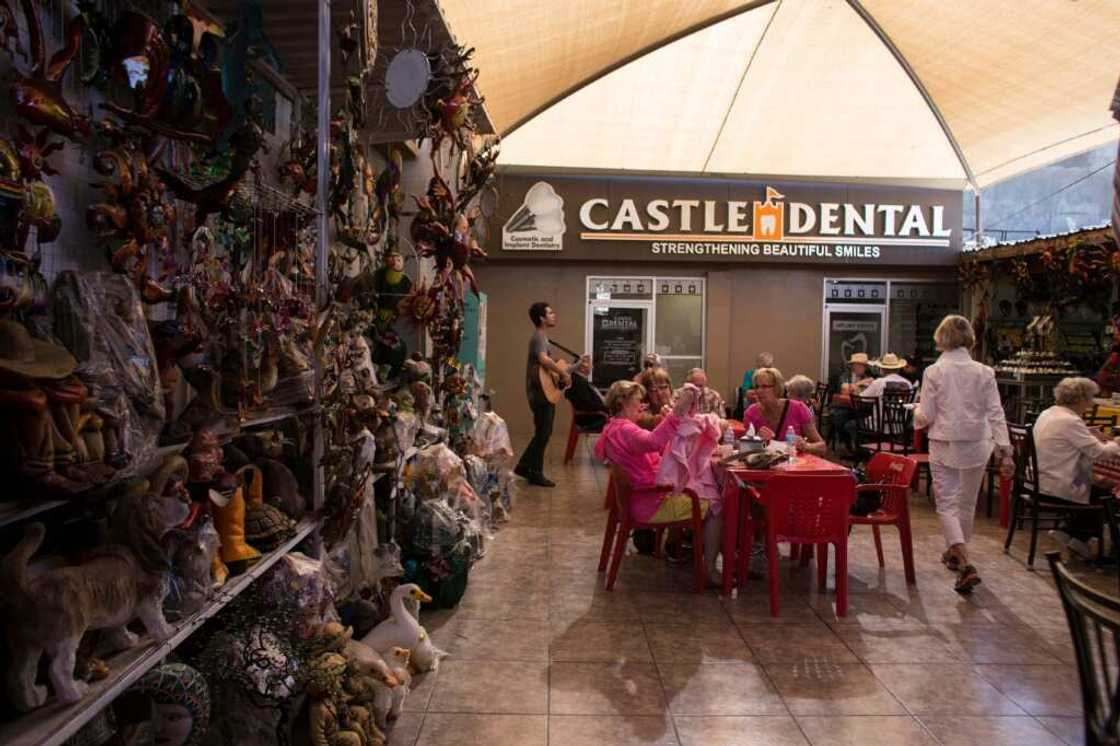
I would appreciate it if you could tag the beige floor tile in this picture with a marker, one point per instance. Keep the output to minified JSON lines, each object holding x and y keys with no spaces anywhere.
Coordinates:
{"x":509,"y":687}
{"x":679,"y":608}
{"x":420,"y":694}
{"x":754,"y":608}
{"x":707,"y":642}
{"x":719,"y":689}
{"x":601,"y":641}
{"x":778,"y":730}
{"x":901,"y":645}
{"x":956,"y":730}
{"x":1040,"y":690}
{"x":864,"y":609}
{"x":473,"y":638}
{"x":405,"y":730}
{"x":796,"y":643}
{"x":998,"y":644}
{"x":605,"y":689}
{"x":935,"y":689}
{"x":1070,"y":730}
{"x":824,"y":688}
{"x":593,"y":605}
{"x":616,"y":730}
{"x":860,"y":731}
{"x":505,"y":601}
{"x":493,"y":730}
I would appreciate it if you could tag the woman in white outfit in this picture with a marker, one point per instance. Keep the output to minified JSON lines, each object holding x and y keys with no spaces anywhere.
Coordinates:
{"x":961,"y":409}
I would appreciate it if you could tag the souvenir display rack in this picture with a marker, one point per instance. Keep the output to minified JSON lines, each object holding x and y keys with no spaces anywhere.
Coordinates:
{"x":254,"y":278}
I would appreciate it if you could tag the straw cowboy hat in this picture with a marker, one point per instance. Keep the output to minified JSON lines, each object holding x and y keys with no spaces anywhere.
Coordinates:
{"x":22,"y":354}
{"x":891,"y":361}
{"x":858,"y":358}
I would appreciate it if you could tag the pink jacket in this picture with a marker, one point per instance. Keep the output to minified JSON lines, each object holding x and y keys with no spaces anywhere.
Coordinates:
{"x":687,"y":462}
{"x":638,"y":453}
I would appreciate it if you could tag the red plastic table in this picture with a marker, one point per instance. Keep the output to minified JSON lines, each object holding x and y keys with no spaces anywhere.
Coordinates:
{"x":735,"y":478}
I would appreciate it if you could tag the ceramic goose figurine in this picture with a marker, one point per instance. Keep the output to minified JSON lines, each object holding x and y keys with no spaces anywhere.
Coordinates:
{"x":402,"y":630}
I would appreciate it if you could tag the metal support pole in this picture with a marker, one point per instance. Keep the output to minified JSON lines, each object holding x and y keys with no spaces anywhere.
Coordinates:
{"x":978,"y":233}
{"x":323,"y":245}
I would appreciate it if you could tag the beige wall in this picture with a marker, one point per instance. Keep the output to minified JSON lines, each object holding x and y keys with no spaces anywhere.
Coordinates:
{"x":750,"y":309}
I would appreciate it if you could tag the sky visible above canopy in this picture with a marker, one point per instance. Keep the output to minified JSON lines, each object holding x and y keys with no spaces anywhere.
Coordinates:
{"x":960,"y":90}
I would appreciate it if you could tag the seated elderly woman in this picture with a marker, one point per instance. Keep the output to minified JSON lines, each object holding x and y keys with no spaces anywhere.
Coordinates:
{"x":708,"y":400}
{"x":658,"y":397}
{"x":1066,"y":448}
{"x":638,"y":453}
{"x":773,"y":414}
{"x":801,"y":388}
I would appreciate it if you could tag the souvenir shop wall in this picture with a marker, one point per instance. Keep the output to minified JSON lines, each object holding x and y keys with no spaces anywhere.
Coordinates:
{"x":240,"y":355}
{"x":1045,"y":309}
{"x":770,"y":259}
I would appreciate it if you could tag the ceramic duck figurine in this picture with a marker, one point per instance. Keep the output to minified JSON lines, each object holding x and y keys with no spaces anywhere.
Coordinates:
{"x":402,"y":630}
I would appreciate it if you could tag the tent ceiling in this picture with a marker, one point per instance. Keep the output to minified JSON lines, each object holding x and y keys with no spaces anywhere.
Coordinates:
{"x":871,"y":88}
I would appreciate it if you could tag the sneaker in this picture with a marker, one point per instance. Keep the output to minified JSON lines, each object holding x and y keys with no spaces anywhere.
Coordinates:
{"x":1081,"y":549}
{"x":951,"y":561}
{"x":967,"y":580}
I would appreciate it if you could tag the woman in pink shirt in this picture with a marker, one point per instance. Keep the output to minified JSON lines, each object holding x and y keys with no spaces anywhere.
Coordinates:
{"x":772,"y":414}
{"x":638,"y":453}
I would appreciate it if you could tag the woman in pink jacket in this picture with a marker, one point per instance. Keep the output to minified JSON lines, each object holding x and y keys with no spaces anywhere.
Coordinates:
{"x":638,"y":453}
{"x":960,"y":406}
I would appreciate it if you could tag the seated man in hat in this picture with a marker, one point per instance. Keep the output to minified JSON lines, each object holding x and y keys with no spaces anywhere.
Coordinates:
{"x":891,"y":365}
{"x":855,"y":380}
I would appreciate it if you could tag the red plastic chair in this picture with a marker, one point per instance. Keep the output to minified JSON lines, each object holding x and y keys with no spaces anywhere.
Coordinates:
{"x":575,"y":431}
{"x":890,"y":476}
{"x":623,"y":524}
{"x":811,"y":510}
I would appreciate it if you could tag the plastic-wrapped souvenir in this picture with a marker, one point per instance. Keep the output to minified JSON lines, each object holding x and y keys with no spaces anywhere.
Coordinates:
{"x":192,"y":557}
{"x":302,"y":584}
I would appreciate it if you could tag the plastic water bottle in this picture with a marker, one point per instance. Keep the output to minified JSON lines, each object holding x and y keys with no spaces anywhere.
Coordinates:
{"x":791,"y":444}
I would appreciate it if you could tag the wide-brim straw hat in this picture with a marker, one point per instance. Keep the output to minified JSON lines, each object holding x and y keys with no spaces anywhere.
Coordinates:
{"x":891,"y":361}
{"x":858,"y":358}
{"x":23,"y":354}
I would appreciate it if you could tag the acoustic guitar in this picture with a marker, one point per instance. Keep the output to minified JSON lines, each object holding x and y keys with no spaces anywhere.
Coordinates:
{"x":551,"y":383}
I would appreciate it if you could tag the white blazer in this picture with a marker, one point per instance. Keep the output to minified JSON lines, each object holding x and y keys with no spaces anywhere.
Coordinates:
{"x":960,"y":402}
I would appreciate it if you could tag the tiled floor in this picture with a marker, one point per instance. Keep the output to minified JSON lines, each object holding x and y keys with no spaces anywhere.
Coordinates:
{"x":541,"y":654}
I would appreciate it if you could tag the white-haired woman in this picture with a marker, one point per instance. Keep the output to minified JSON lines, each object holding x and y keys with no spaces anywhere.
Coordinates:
{"x":961,"y":410}
{"x":1067,"y":447}
{"x":801,"y":388}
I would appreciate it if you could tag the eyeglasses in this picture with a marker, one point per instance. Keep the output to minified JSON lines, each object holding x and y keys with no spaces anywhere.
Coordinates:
{"x":764,"y":386}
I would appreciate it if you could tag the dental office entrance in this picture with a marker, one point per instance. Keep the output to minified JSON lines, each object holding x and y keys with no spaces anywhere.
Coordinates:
{"x":709,"y":272}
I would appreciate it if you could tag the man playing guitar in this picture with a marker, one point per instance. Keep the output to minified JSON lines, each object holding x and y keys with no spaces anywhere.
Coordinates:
{"x":531,"y":465}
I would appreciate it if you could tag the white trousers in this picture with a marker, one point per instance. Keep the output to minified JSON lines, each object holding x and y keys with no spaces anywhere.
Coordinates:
{"x":956,"y":492}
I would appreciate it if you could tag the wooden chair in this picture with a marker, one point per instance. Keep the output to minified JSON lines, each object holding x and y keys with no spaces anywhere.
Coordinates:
{"x":575,"y":431}
{"x":624,"y":524}
{"x":890,"y":475}
{"x":1026,"y":494}
{"x":1094,"y":624}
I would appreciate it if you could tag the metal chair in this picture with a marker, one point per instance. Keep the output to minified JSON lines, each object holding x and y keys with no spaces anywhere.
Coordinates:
{"x":1094,"y":624}
{"x":1026,"y":492}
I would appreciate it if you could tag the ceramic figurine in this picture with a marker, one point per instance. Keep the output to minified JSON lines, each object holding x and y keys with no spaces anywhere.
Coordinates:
{"x":391,"y":284}
{"x":327,"y":715}
{"x":401,"y":629}
{"x":180,"y":700}
{"x":266,"y":527}
{"x":229,"y":518}
{"x":50,"y":611}
{"x":36,"y":452}
{"x":281,"y":488}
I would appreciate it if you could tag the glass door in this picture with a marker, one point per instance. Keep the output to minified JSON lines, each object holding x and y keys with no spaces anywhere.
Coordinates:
{"x":849,"y":329}
{"x":619,"y":336}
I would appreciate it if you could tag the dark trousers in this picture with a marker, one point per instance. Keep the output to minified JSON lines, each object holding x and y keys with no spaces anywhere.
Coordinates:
{"x":544,"y":412}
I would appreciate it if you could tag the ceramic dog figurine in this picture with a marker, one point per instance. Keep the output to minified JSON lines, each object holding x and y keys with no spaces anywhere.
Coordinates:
{"x":124,"y":579}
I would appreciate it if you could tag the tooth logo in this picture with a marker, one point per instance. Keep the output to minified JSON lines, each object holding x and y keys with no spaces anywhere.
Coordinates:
{"x":538,"y":225}
{"x":769,"y":216}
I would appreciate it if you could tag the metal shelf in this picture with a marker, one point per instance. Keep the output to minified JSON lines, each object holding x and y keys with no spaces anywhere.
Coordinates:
{"x":53,"y":723}
{"x":18,"y":511}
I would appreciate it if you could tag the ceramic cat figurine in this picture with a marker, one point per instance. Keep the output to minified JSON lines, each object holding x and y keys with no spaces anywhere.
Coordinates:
{"x":50,"y":612}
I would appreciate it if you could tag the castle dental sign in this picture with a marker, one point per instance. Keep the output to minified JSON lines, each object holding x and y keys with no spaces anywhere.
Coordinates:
{"x":772,"y":227}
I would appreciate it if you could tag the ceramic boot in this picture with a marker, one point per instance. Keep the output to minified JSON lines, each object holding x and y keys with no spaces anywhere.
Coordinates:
{"x":229,"y":520}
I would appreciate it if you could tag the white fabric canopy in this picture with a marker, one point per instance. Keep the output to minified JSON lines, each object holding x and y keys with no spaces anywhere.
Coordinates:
{"x":964,"y":90}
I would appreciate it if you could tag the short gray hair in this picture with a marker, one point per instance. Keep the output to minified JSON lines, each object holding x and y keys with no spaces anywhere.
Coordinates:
{"x":953,"y":332}
{"x":1074,"y":390}
{"x":800,"y":387}
{"x":620,"y":392}
{"x":765,"y":360}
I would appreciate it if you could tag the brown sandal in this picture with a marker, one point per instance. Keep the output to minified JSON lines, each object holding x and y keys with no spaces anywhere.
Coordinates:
{"x":967,"y":580}
{"x":951,"y":561}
